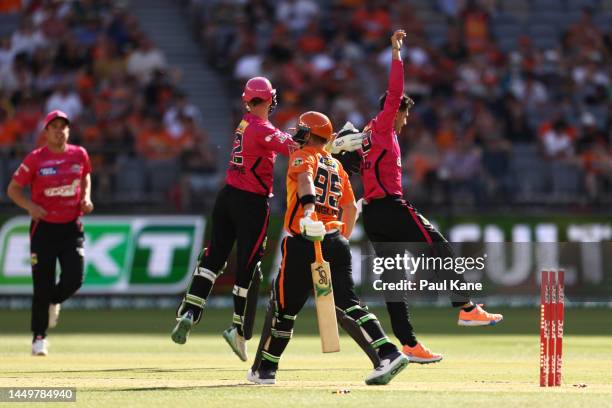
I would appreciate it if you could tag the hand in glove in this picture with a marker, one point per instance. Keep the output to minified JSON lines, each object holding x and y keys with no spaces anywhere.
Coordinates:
{"x":312,"y":230}
{"x":349,"y":139}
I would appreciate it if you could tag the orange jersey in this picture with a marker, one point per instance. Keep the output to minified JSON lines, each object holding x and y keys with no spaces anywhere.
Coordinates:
{"x":332,"y":186}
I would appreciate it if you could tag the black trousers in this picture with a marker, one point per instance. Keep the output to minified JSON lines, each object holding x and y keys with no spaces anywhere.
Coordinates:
{"x":292,"y":287}
{"x":50,"y":242}
{"x":394,"y":225}
{"x":239,"y":217}
{"x":242,"y":217}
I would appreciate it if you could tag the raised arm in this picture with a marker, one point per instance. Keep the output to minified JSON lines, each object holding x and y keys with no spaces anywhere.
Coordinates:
{"x":395,"y":87}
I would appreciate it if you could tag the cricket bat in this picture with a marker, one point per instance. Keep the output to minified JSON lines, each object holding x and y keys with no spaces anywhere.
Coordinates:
{"x":324,"y":302}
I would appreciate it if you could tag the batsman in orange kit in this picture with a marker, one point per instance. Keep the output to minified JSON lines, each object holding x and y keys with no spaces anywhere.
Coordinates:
{"x":318,"y":193}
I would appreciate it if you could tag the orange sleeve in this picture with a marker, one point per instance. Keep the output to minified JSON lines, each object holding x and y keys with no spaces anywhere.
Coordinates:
{"x":299,"y":162}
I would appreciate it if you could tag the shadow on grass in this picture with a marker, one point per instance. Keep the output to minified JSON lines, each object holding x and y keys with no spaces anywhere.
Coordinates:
{"x":164,"y":370}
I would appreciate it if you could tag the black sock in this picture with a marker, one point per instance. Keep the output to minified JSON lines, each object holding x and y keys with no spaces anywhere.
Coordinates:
{"x":268,"y":365}
{"x":386,"y":349}
{"x":411,"y":342}
{"x":468,"y":308}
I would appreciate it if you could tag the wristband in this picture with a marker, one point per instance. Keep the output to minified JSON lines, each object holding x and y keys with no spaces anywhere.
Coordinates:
{"x":307,"y":199}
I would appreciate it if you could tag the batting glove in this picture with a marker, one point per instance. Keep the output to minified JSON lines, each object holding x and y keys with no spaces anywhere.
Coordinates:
{"x":312,"y":230}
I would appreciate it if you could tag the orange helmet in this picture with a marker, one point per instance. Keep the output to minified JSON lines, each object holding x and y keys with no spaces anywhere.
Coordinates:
{"x":318,"y":124}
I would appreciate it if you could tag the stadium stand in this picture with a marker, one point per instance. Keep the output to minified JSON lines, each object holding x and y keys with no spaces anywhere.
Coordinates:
{"x":490,"y":78}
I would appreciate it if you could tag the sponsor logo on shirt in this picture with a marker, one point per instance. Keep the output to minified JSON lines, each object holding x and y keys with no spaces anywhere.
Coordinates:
{"x":280,"y":136}
{"x":68,"y":190}
{"x":47,"y":171}
{"x":298,"y":162}
{"x":75,"y":168}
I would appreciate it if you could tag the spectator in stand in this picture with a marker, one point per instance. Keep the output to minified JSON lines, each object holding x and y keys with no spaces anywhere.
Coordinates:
{"x":296,"y":14}
{"x":181,"y":109}
{"x":557,"y":141}
{"x":475,"y":21}
{"x":66,"y":100}
{"x":144,"y":61}
{"x":515,"y":121}
{"x":462,"y":168}
{"x":27,"y":38}
{"x":153,"y":141}
{"x":372,"y":22}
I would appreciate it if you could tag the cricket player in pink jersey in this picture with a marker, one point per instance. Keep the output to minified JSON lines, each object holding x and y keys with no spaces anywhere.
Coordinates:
{"x":240,"y":215}
{"x":389,"y":220}
{"x":58,"y":175}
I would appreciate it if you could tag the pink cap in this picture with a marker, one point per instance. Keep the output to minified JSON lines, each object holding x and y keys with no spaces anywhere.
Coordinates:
{"x":54,"y":115}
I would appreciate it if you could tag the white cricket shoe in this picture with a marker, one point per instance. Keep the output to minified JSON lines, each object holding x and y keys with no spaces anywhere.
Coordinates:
{"x":236,"y":342}
{"x":264,"y":377}
{"x":389,"y":367}
{"x":40,"y":347}
{"x":54,"y":311}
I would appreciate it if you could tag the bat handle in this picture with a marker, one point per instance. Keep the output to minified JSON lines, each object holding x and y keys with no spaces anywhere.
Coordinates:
{"x":318,"y":252}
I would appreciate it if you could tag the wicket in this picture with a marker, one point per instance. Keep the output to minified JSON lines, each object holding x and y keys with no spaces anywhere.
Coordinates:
{"x":552,"y":301}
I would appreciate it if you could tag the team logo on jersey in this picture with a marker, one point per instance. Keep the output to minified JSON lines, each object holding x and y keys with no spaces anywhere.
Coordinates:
{"x":298,"y":162}
{"x":399,"y":162}
{"x":75,"y":168}
{"x":328,"y":161}
{"x":242,"y":126}
{"x":47,"y":171}
{"x":33,"y":258}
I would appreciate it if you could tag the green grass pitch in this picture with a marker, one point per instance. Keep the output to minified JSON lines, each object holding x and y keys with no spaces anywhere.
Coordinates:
{"x":126,"y":359}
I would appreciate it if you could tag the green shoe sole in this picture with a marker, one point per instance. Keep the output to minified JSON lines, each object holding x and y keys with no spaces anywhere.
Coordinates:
{"x":181,"y":330}
{"x":386,"y":378}
{"x":228,"y":339}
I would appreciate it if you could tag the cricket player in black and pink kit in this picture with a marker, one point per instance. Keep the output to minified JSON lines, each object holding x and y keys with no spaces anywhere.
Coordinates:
{"x":389,"y":219}
{"x":240,"y":215}
{"x":58,"y":175}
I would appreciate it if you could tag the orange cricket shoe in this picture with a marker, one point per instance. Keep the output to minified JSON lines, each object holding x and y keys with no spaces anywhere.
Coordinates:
{"x":421,"y":354}
{"x":478,"y":317}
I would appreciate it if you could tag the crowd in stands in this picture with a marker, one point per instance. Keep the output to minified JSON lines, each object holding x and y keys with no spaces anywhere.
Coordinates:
{"x":90,"y":59}
{"x":514,"y":97}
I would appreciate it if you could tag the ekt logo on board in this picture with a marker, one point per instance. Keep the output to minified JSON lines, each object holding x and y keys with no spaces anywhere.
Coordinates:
{"x":122,"y":254}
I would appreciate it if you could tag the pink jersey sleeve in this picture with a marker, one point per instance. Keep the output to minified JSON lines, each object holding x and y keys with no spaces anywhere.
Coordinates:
{"x":26,"y":171}
{"x":277,"y":141}
{"x":383,"y":123}
{"x":86,"y":162}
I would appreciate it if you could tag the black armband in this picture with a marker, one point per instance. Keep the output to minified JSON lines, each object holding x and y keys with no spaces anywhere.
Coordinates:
{"x":307,"y":199}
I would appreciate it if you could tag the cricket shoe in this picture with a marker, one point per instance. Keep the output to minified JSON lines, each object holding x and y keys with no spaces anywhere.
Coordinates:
{"x":265,"y":377}
{"x":389,"y":367}
{"x":40,"y":346}
{"x":183,"y":328}
{"x":54,"y":311}
{"x":236,"y":342}
{"x":421,"y":354}
{"x":478,"y":317}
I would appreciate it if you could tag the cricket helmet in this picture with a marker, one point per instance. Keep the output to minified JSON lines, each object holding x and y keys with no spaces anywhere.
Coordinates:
{"x":258,"y":87}
{"x":318,"y":124}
